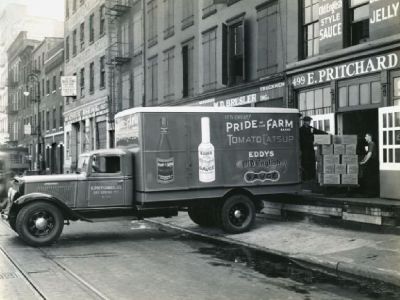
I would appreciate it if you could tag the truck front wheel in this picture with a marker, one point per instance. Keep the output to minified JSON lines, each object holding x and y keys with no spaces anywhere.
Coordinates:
{"x":39,"y":223}
{"x":237,"y":214}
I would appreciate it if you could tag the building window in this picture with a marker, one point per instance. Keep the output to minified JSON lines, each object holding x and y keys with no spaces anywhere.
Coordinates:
{"x":359,"y":21}
{"x":209,"y":42}
{"x":188,"y":69}
{"x":126,"y":90}
{"x":43,"y":88}
{"x":82,"y":82}
{"x":233,"y":54}
{"x":47,"y":120}
{"x":352,"y":93}
{"x":73,"y":6}
{"x":396,"y":91}
{"x":310,"y":28}
{"x":91,"y":78}
{"x":315,"y":102}
{"x":67,"y":48}
{"x":102,"y":72}
{"x":267,"y":40}
{"x":102,"y":19}
{"x":138,"y":36}
{"x":66,"y":9}
{"x":54,"y":118}
{"x":169,"y":74}
{"x":390,"y":139}
{"x":152,"y":81}
{"x":74,"y":47}
{"x":209,"y":8}
{"x":137,"y":86}
{"x":91,"y":28}
{"x":61,"y":116}
{"x":187,"y":13}
{"x":168,"y":18}
{"x":82,"y":36}
{"x":152,"y":23}
{"x":48,"y":87}
{"x":125,"y":38}
{"x":54,"y":83}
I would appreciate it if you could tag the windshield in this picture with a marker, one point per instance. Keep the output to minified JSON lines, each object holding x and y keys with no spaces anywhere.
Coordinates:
{"x":83,"y":163}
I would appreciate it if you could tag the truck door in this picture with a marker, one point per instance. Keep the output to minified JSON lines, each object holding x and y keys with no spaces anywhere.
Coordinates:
{"x":106,"y":182}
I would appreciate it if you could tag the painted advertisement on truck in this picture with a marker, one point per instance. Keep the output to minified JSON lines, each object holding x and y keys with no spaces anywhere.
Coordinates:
{"x":219,"y":149}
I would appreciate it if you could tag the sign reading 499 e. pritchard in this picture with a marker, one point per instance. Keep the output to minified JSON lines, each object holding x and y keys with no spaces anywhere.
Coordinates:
{"x":348,"y":70}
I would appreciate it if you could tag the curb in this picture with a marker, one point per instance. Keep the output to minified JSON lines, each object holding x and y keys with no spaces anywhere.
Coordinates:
{"x":331,"y":266}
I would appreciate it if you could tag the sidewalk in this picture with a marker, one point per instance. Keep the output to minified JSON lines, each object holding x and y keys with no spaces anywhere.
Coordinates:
{"x":369,"y":255}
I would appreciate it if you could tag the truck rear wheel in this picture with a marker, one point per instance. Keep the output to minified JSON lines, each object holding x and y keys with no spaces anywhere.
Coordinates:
{"x":39,"y":223}
{"x":237,"y":214}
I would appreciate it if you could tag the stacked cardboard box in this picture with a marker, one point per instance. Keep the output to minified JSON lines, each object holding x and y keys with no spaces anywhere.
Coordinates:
{"x":337,"y":161}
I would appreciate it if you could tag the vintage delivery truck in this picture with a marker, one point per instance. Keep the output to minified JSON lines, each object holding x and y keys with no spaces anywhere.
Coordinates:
{"x":219,"y":163}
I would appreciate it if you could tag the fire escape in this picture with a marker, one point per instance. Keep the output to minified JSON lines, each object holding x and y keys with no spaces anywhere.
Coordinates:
{"x":118,"y":51}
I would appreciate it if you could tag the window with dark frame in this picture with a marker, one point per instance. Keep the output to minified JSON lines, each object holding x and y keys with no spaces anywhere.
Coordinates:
{"x":187,"y":13}
{"x":54,"y":118}
{"x":188,"y":69}
{"x":82,"y":82}
{"x":169,"y":74}
{"x":91,"y":28}
{"x":310,"y":28}
{"x":82,"y":35}
{"x":48,"y":86}
{"x":61,"y":111}
{"x":47,"y":120}
{"x":67,"y":48}
{"x":234,"y":68}
{"x":168,"y":18}
{"x":91,"y":77}
{"x":74,"y":46}
{"x":54,"y":83}
{"x":43,"y":88}
{"x":152,"y":23}
{"x":358,"y":25}
{"x":102,"y":72}
{"x":152,"y":82}
{"x":102,"y":19}
{"x":209,"y":44}
{"x":267,"y":39}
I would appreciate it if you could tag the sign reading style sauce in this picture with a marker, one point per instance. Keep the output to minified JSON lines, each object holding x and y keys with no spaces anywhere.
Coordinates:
{"x":330,"y":25}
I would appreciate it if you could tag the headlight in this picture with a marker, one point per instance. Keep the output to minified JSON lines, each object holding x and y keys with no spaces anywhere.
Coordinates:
{"x":11,"y":193}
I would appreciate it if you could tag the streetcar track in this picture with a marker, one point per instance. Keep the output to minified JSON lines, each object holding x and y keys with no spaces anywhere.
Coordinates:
{"x":87,"y":287}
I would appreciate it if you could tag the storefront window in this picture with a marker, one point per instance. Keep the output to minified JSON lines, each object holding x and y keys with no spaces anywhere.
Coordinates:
{"x":352,"y":94}
{"x":396,"y":91}
{"x":315,"y":102}
{"x":311,"y":27}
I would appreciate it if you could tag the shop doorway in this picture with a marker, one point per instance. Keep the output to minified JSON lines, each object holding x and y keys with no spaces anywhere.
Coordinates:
{"x":359,"y":123}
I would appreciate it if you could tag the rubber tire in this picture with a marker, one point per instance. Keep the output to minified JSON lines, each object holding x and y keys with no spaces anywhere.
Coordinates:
{"x":22,"y":223}
{"x":203,"y":215}
{"x":246,"y":206}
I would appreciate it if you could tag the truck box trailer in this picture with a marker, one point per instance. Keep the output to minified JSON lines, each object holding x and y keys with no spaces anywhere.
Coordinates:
{"x":216,"y":162}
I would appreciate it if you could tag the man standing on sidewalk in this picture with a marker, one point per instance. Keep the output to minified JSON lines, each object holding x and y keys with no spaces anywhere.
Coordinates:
{"x":370,"y":169}
{"x":307,"y":148}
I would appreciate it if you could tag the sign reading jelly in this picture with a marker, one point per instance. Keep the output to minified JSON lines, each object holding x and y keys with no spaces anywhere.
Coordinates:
{"x":330,"y":25}
{"x":348,"y":70}
{"x":384,"y":18}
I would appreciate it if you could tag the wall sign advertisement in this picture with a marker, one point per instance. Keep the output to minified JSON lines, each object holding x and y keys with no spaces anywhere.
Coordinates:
{"x":348,"y":70}
{"x":127,"y":131}
{"x":384,"y":18}
{"x":68,"y":86}
{"x":263,"y":93}
{"x":330,"y":25}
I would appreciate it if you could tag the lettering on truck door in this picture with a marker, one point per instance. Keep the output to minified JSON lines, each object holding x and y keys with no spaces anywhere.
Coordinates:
{"x":106,"y":184}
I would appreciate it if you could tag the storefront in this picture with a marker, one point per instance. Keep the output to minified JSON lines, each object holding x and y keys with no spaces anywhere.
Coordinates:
{"x":264,"y":94}
{"x":54,"y":153}
{"x":86,"y":129}
{"x":357,"y":96}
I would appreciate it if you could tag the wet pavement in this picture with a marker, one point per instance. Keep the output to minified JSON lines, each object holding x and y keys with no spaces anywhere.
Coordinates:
{"x":119,"y":260}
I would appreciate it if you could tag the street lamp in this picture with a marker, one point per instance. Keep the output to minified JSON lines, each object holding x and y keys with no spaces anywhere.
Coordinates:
{"x":36,"y":98}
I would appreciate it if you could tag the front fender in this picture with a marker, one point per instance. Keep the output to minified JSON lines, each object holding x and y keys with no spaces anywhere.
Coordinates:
{"x":32,"y":197}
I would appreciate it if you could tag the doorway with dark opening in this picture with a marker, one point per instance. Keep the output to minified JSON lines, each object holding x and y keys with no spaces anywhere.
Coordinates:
{"x":361,"y":122}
